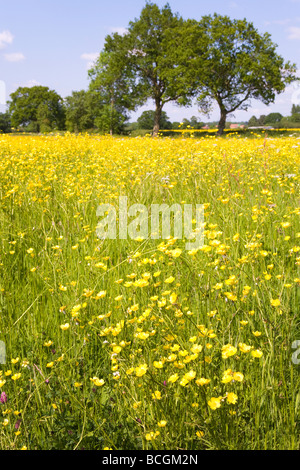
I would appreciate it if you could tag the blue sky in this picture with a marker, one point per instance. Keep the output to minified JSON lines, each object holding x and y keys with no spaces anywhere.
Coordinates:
{"x":52,"y":43}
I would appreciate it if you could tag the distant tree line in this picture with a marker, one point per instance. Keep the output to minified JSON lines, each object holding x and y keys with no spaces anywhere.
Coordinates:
{"x":38,"y":109}
{"x":277,"y":120}
{"x":165,"y":59}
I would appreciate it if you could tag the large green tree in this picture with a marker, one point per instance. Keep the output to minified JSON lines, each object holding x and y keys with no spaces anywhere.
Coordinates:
{"x":146,"y":120}
{"x":253,"y":122}
{"x":5,"y":124}
{"x":147,"y":58}
{"x":36,"y":108}
{"x":295,"y":117}
{"x":112,"y":88}
{"x":236,"y":65}
{"x":80,"y":111}
{"x":273,"y":118}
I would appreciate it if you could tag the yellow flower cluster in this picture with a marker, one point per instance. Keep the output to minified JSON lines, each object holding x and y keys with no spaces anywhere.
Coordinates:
{"x":144,"y":331}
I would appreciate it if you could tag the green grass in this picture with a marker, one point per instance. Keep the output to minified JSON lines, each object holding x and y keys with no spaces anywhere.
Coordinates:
{"x":50,"y":190}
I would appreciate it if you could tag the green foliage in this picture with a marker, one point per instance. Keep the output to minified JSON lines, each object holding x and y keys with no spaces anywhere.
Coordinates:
{"x":277,"y":120}
{"x":146,"y":120}
{"x":111,"y":89}
{"x":175,"y":125}
{"x":295,"y":117}
{"x":273,"y":118}
{"x":257,"y":122}
{"x":262,"y":120}
{"x":80,"y":112}
{"x":194,"y":123}
{"x":167,"y":59}
{"x":5,"y":124}
{"x":36,"y":109}
{"x":146,"y":59}
{"x":288,"y":122}
{"x":110,"y":120}
{"x":253,"y":121}
{"x":295,"y":109}
{"x":164,"y":58}
{"x":235,"y":64}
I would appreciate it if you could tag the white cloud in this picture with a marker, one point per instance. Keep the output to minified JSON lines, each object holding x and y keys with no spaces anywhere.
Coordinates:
{"x":294,"y":32}
{"x":90,"y":57}
{"x":14,"y":57}
{"x":31,"y":83}
{"x":5,"y":38}
{"x":118,"y":29}
{"x":27,"y":84}
{"x":278,"y":22}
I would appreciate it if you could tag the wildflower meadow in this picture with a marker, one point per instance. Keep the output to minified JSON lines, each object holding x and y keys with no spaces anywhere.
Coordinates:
{"x":142,"y":342}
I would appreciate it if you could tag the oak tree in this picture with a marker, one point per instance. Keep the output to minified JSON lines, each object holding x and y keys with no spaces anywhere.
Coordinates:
{"x":237,"y":64}
{"x":146,"y":57}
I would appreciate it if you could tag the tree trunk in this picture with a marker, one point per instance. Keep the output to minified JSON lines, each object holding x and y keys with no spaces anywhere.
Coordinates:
{"x":157,"y":117}
{"x":222,"y":122}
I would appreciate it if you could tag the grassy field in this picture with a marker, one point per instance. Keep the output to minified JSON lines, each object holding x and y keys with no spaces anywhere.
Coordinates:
{"x":141,"y":343}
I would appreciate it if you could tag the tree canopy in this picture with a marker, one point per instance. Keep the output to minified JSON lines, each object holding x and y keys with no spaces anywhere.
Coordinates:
{"x":272,"y":118}
{"x":79,"y":111}
{"x":5,"y":124}
{"x":146,"y":120}
{"x":146,"y":59}
{"x":36,"y":108}
{"x":113,"y":92}
{"x":235,"y":64}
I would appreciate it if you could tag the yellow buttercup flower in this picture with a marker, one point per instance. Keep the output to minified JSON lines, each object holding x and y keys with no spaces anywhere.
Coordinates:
{"x":16,"y":376}
{"x":98,"y":382}
{"x":173,"y":378}
{"x":256,"y":353}
{"x":156,"y":395}
{"x":202,"y":381}
{"x":228,"y":350}
{"x":141,"y":370}
{"x":162,"y":423}
{"x":158,"y":364}
{"x":214,"y":403}
{"x":176,"y":253}
{"x":244,"y":348}
{"x":231,"y":398}
{"x":231,"y":296}
{"x":101,"y":294}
